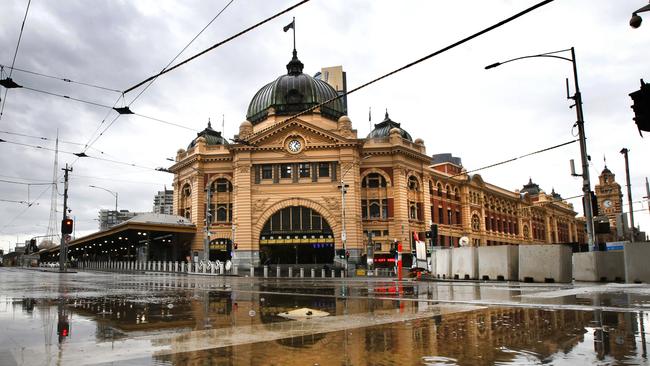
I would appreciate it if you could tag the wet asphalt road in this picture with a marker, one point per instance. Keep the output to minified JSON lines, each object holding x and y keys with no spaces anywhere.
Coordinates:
{"x":93,"y":317}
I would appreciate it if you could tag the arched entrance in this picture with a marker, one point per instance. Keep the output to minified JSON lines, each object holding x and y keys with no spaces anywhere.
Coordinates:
{"x":220,"y":249}
{"x":296,"y":235}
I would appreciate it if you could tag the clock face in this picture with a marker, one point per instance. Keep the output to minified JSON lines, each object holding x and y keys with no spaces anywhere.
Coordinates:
{"x":607,"y":203}
{"x":294,"y":145}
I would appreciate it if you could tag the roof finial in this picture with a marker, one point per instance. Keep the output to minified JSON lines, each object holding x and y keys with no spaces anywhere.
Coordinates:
{"x":386,"y":116}
{"x":209,"y":124}
{"x":294,"y":67}
{"x":605,"y":160}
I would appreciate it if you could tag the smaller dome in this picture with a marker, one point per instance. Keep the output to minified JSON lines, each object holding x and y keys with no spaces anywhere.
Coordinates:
{"x":211,"y":137}
{"x":246,"y":123}
{"x":419,"y":141}
{"x":531,"y":188}
{"x":344,"y":118}
{"x":383,"y":129}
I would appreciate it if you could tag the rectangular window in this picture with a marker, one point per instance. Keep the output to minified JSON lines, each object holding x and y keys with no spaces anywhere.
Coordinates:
{"x":458,"y":218}
{"x":267,"y":171}
{"x":441,"y":216}
{"x":385,"y":232}
{"x":223,"y":211}
{"x":285,"y":171}
{"x":303,"y":168}
{"x":364,"y":209}
{"x":384,"y":209}
{"x":323,"y":169}
{"x":449,"y":221}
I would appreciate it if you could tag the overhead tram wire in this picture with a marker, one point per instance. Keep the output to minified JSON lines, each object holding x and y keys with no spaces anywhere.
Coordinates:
{"x":410,"y":64}
{"x":77,"y":154}
{"x":217,"y":45}
{"x":67,"y":80}
{"x":94,"y":139}
{"x":42,"y":138}
{"x":13,"y":62}
{"x":181,"y":51}
{"x":107,"y":107}
{"x":515,"y":158}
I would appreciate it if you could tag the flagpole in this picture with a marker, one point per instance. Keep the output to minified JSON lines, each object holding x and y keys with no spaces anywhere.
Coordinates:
{"x":294,"y":33}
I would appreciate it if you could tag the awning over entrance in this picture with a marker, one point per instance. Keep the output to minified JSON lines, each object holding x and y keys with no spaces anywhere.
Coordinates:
{"x":144,"y":237}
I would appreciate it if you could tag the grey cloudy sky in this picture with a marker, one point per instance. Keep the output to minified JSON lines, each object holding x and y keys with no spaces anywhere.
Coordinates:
{"x":450,"y":101}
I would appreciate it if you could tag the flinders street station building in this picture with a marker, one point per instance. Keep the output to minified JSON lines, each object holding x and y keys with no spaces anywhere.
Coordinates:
{"x":295,"y":187}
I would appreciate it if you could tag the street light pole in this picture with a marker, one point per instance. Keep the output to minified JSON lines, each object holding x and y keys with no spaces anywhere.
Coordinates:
{"x":624,"y":151}
{"x":111,"y":192}
{"x":577,"y":97}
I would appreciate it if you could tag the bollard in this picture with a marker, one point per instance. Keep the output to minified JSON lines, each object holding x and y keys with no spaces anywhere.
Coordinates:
{"x":333,"y":273}
{"x":266,"y":271}
{"x":302,"y":273}
{"x":290,"y":272}
{"x":342,"y":273}
{"x":313,"y":272}
{"x":322,"y":272}
{"x":277,"y":271}
{"x":252,"y":271}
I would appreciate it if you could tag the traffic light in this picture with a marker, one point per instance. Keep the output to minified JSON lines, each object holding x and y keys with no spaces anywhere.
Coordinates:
{"x":641,"y":107}
{"x":63,"y":328}
{"x":66,"y":226}
{"x":434,"y":234}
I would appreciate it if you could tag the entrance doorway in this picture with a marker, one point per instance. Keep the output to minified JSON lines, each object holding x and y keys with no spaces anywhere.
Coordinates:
{"x":220,"y":249}
{"x":296,"y":235}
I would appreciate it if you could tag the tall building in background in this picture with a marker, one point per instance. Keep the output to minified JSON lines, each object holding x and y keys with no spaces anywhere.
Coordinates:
{"x":110,"y":218}
{"x":163,"y":202}
{"x":610,"y":207}
{"x":335,"y":77}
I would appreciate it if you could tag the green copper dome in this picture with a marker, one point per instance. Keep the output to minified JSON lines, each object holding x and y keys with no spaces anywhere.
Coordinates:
{"x":211,"y":136}
{"x":383,"y":128}
{"x":293,"y":93}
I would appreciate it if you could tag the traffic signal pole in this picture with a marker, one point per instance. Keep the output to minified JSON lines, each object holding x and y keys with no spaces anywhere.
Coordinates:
{"x":62,"y":247}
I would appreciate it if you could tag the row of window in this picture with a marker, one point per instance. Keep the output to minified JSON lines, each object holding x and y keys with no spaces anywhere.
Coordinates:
{"x":451,"y":218}
{"x":295,"y":171}
{"x":501,"y":226}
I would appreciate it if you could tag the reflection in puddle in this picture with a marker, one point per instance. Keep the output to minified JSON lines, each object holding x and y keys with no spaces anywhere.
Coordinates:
{"x":172,"y":321}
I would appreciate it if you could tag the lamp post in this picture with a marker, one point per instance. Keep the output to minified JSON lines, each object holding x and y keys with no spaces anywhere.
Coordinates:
{"x":114,"y":194}
{"x":635,"y":20}
{"x":577,"y":97}
{"x":624,"y":151}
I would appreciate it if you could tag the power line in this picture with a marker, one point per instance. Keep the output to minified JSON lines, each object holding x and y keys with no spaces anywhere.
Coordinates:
{"x":20,"y":36}
{"x":181,"y":51}
{"x":79,"y":155}
{"x":413,"y":63}
{"x":515,"y":158}
{"x":46,"y":139}
{"x":93,"y":139}
{"x":67,"y":80}
{"x":217,"y":45}
{"x":67,"y":97}
{"x":24,"y":183}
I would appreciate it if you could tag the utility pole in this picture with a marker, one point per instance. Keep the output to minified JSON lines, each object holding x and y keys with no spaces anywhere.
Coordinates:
{"x":647,"y":192}
{"x":62,"y":247}
{"x":624,"y":151}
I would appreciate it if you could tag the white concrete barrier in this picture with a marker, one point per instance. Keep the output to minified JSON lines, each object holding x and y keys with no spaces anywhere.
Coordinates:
{"x":302,"y":272}
{"x":545,"y":263}
{"x":266,"y":271}
{"x":313,"y":272}
{"x":499,"y":262}
{"x":599,"y":266}
{"x":464,"y":263}
{"x":290,"y":272}
{"x":637,"y":268}
{"x":443,"y":263}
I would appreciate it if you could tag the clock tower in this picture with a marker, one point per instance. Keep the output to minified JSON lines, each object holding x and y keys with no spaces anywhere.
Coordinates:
{"x":610,"y":197}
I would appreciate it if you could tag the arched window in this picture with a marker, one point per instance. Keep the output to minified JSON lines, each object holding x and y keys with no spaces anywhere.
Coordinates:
{"x":448,"y":191}
{"x":221,"y":200}
{"x":430,"y":188}
{"x":413,"y":211}
{"x":439,"y":187}
{"x":373,"y":180}
{"x":413,"y":183}
{"x":186,"y":202}
{"x":456,"y":194}
{"x":476,"y":223}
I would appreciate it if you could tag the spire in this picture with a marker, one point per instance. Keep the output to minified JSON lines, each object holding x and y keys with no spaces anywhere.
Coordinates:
{"x":386,"y":115}
{"x":294,"y":67}
{"x":209,"y":124}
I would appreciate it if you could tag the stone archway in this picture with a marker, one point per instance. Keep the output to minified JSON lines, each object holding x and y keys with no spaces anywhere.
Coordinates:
{"x":295,"y":231}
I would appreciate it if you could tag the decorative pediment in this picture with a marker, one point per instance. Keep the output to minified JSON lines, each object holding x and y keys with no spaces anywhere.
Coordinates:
{"x":313,"y":136}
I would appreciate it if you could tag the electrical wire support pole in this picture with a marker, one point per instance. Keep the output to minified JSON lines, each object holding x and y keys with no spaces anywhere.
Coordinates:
{"x":62,"y":248}
{"x":625,"y":151}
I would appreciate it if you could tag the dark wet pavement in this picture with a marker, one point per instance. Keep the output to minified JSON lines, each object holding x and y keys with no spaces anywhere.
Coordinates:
{"x":151,"y":319}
